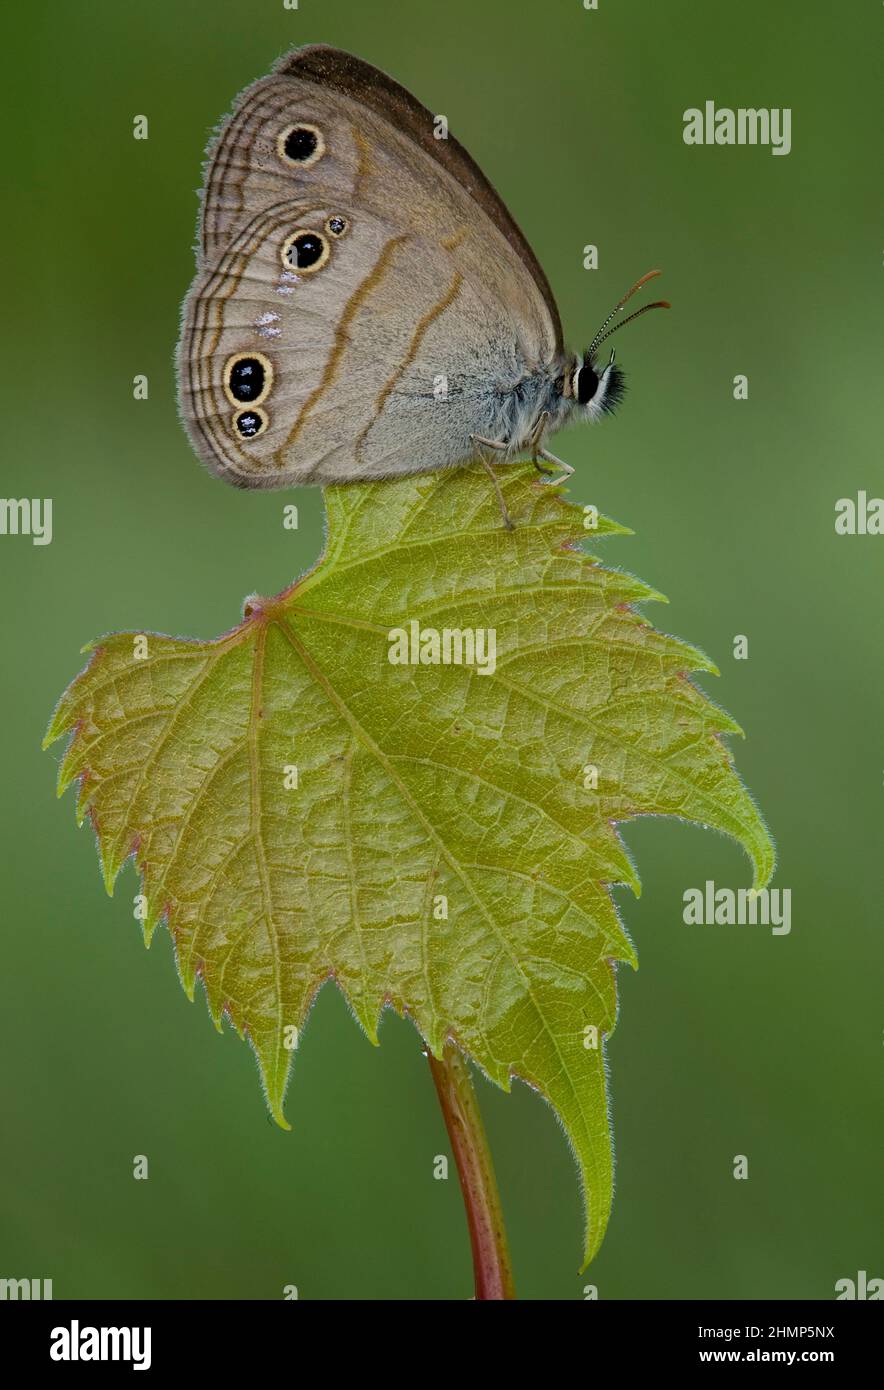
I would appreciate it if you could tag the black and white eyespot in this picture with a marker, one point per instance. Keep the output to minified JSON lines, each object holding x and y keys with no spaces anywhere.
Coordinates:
{"x":250,"y":423}
{"x":305,"y":251}
{"x":300,"y":145}
{"x":337,"y":225}
{"x":248,"y":377}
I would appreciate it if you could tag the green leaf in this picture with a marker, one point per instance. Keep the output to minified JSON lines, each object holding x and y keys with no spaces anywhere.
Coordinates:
{"x":417,"y":785}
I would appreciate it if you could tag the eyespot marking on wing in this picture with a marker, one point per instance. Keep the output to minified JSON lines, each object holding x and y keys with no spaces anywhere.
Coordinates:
{"x":305,"y":251}
{"x":248,"y":377}
{"x":250,"y":423}
{"x":301,"y":144}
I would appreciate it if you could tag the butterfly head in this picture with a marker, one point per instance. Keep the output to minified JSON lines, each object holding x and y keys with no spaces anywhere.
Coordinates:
{"x":598,"y":390}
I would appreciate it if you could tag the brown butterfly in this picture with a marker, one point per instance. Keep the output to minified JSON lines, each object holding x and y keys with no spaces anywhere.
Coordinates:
{"x":365,"y":306}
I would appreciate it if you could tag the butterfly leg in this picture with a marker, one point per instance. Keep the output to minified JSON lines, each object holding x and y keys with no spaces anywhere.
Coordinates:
{"x":534,"y":445}
{"x":481,"y":442}
{"x":551,"y":458}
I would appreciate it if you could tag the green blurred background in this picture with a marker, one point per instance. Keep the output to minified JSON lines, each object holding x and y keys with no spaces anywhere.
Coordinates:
{"x":730,"y":1041}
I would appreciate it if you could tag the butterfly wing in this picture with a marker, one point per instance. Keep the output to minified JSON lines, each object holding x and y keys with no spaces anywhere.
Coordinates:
{"x":363,"y":297}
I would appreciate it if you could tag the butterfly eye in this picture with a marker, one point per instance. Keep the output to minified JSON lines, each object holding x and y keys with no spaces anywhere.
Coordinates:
{"x":585,"y":385}
{"x":336,"y":226}
{"x":248,"y":378}
{"x":300,"y":144}
{"x":305,"y":251}
{"x":250,"y":423}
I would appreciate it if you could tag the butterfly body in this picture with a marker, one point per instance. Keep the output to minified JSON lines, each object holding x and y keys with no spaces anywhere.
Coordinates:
{"x":364,"y":305}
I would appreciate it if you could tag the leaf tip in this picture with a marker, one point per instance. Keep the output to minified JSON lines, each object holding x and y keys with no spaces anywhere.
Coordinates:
{"x":608,"y":527}
{"x":59,"y":722}
{"x":109,"y":861}
{"x":764,"y":861}
{"x":368,"y":1016}
{"x":275,"y":1099}
{"x":653,"y":596}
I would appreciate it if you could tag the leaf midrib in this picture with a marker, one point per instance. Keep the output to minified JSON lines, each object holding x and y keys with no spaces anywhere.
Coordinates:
{"x":378,"y":753}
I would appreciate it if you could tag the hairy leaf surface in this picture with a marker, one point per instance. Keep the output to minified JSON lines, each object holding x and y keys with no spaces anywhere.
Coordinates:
{"x":443,"y":849}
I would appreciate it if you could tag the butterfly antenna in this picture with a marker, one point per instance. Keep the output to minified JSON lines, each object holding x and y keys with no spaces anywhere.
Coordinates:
{"x":605,"y":332}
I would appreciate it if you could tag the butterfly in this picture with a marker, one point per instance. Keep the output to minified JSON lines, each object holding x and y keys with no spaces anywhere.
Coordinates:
{"x":364,"y":306}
